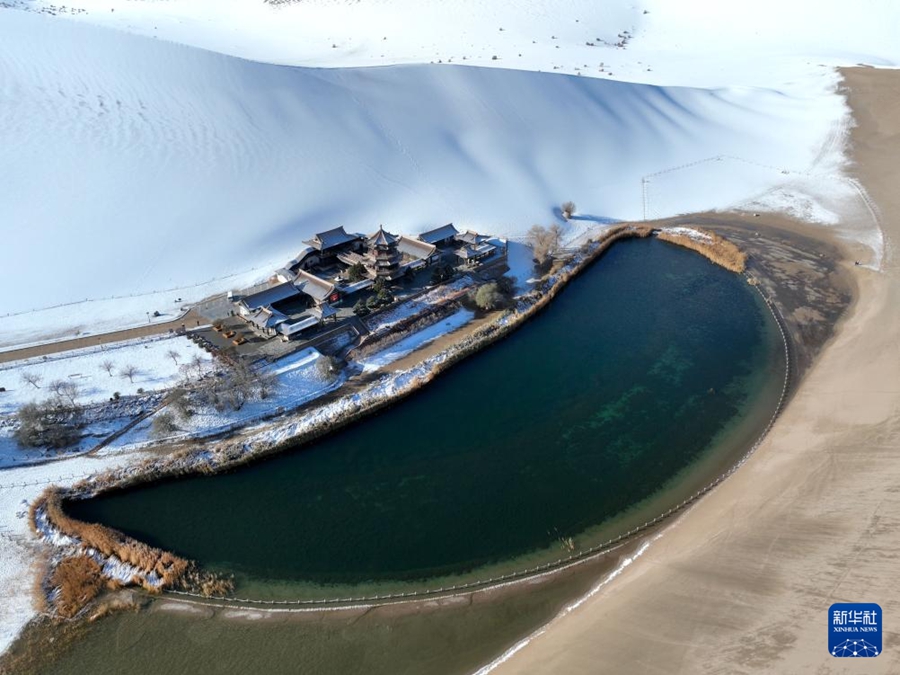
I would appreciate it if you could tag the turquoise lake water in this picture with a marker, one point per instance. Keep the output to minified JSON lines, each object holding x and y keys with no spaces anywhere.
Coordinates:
{"x":647,"y":375}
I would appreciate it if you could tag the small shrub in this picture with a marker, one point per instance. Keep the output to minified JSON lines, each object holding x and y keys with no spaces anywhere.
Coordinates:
{"x":568,"y":209}
{"x":163,"y":425}
{"x":327,"y":367}
{"x":179,"y":403}
{"x":384,"y":297}
{"x":506,"y":285}
{"x":360,"y":308}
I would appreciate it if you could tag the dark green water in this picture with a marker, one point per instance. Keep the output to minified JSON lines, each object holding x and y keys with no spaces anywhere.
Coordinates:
{"x":652,"y":362}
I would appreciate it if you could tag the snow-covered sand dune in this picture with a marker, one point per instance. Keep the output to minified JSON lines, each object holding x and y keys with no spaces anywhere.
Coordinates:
{"x":132,"y":165}
{"x":708,"y":43}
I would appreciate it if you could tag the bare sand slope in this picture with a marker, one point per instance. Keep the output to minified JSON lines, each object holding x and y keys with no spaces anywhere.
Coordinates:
{"x":743,"y":582}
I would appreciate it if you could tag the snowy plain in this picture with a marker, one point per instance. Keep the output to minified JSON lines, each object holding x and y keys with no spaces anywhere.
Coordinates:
{"x":139,"y":165}
{"x":155,"y":370}
{"x":298,"y":380}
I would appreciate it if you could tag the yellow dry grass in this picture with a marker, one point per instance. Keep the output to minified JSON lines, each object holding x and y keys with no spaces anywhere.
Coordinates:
{"x":718,"y":249}
{"x":80,"y":578}
{"x":79,"y":581}
{"x":110,"y":542}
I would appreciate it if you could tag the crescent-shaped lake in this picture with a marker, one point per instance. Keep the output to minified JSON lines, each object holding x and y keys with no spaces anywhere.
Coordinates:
{"x":651,"y":373}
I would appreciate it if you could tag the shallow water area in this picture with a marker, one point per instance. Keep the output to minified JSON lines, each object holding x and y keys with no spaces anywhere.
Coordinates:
{"x":641,"y":381}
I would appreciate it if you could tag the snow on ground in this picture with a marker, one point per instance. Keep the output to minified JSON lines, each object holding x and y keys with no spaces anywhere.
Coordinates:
{"x":19,"y":485}
{"x":12,"y":454}
{"x":155,"y":370}
{"x":19,"y":550}
{"x":299,"y":378}
{"x":417,"y":340}
{"x":690,"y":233}
{"x":520,"y":259}
{"x":180,"y":165}
{"x":95,"y":317}
{"x":391,"y":317}
{"x":704,"y":43}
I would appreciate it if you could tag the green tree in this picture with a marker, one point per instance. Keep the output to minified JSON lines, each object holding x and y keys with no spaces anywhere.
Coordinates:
{"x":356,"y":272}
{"x":384,"y":297}
{"x":360,"y":308}
{"x":489,"y":296}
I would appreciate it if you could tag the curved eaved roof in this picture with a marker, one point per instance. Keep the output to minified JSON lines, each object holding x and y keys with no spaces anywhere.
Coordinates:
{"x":382,"y":238}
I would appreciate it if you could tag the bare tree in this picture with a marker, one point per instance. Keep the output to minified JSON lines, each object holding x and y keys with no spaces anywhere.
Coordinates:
{"x":555,"y":233}
{"x":327,"y":367}
{"x":69,"y":392}
{"x":33,"y":379}
{"x":544,"y":242}
{"x":108,"y":366}
{"x":268,"y":383}
{"x":66,"y":392}
{"x":129,"y":371}
{"x":235,"y":384}
{"x":197,"y":363}
{"x":55,"y":386}
{"x":568,"y":209}
{"x":174,"y":355}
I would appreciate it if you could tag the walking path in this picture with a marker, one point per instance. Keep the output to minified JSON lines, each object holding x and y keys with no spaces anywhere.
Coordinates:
{"x":192,"y":318}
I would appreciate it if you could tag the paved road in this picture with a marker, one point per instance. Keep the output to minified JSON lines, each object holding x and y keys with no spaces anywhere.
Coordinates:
{"x":191,"y":319}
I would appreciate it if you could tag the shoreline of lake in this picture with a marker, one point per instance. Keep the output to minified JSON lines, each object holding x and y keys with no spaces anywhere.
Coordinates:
{"x":757,"y":253}
{"x":485,"y":336}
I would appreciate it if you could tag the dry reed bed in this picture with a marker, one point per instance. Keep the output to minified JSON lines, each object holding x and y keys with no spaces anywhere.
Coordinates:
{"x":109,"y":542}
{"x":710,"y":245}
{"x":175,"y":572}
{"x":78,"y":578}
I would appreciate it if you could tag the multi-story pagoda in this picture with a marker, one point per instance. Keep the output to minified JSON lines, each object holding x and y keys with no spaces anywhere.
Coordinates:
{"x":384,"y":256}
